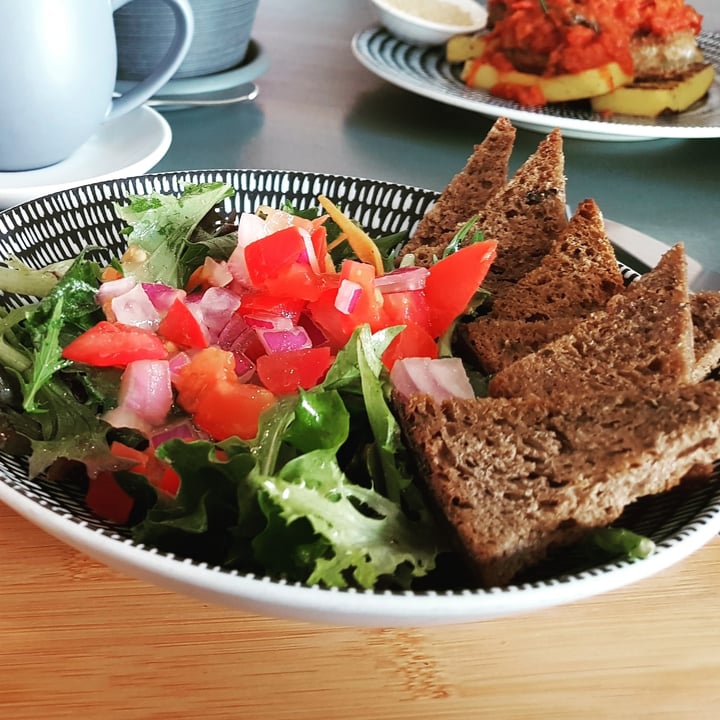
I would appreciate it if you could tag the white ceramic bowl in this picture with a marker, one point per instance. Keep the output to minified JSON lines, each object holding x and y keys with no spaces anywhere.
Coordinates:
{"x":422,"y":23}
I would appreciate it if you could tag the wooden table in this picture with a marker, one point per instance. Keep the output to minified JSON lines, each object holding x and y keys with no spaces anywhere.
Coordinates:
{"x":78,"y":640}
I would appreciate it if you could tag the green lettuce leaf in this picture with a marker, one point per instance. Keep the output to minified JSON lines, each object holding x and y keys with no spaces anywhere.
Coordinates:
{"x":160,"y":228}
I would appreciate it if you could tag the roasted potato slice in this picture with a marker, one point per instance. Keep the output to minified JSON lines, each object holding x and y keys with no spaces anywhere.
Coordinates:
{"x":650,"y":98}
{"x":558,"y":88}
{"x":464,"y":47}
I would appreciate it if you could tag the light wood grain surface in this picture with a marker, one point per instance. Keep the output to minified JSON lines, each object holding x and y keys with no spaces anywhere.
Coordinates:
{"x":78,"y":640}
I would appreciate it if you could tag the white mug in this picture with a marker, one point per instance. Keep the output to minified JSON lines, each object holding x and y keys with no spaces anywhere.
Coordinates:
{"x":59,"y":61}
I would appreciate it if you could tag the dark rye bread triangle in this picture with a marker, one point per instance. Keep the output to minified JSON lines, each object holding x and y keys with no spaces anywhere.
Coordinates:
{"x":705,"y":309}
{"x":527,"y":215}
{"x":644,"y":337}
{"x":515,"y":477}
{"x":483,"y":175}
{"x":577,"y":276}
{"x":491,"y":344}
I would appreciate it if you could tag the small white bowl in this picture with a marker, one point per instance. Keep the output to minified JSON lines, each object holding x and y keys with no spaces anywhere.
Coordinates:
{"x":412,"y":25}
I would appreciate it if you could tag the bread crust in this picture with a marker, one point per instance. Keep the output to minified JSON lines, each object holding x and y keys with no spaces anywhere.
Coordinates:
{"x":643,"y":338}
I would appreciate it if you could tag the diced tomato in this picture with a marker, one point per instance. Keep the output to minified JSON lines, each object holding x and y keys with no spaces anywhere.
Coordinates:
{"x":145,"y":462}
{"x":336,"y":326}
{"x":407,"y":307}
{"x":136,"y":458}
{"x":266,"y":257}
{"x":368,"y":308}
{"x":282,"y":373}
{"x":107,"y":499}
{"x":413,"y":341}
{"x":220,"y":404}
{"x":115,"y":345}
{"x":232,"y":408}
{"x":182,"y":327}
{"x":298,"y":280}
{"x":454,"y":280}
{"x":209,"y":366}
{"x":283,"y":305}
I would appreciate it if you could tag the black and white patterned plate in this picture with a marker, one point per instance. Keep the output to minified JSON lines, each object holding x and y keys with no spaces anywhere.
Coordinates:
{"x":59,"y":225}
{"x":425,"y":71}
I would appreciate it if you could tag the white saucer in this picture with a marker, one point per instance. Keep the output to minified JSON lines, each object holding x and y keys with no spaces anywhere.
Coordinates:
{"x":128,"y":145}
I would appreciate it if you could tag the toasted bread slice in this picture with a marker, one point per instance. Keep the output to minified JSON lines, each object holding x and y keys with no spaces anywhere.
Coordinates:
{"x":491,"y":344}
{"x":578,"y":275}
{"x":643,"y":338}
{"x":484,"y":174}
{"x":653,"y":97}
{"x":515,"y":477}
{"x":527,"y":215}
{"x":705,"y":309}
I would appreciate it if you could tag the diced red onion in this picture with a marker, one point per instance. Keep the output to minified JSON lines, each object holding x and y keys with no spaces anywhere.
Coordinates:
{"x":218,"y":304}
{"x":135,"y":308}
{"x":251,"y":227}
{"x":442,"y":378}
{"x":275,"y":341}
{"x":310,"y":256}
{"x":177,"y":362}
{"x":238,"y":336}
{"x":216,"y":272}
{"x":317,"y":337}
{"x":163,"y":296}
{"x":402,"y":279}
{"x":234,"y":328}
{"x":112,"y":288}
{"x":182,"y":430}
{"x":244,"y":367}
{"x":347,"y":296}
{"x":267,"y":321}
{"x":146,"y":390}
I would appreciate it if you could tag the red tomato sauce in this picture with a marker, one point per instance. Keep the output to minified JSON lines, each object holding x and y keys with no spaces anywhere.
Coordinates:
{"x":569,"y":36}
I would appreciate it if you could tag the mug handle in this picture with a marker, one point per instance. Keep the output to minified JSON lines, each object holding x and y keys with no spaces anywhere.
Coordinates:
{"x":145,"y":89}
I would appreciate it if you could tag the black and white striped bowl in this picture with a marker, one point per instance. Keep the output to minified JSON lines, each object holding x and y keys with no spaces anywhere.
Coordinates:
{"x":60,"y":225}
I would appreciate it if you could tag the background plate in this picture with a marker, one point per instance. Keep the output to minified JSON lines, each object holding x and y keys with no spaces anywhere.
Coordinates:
{"x":424,"y":71}
{"x":58,"y":226}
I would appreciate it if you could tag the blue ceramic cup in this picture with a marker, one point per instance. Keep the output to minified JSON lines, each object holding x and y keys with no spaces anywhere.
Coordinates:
{"x":59,"y":61}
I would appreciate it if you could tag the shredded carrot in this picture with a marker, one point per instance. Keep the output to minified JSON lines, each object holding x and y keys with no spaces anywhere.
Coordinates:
{"x":361,"y":243}
{"x":339,"y":240}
